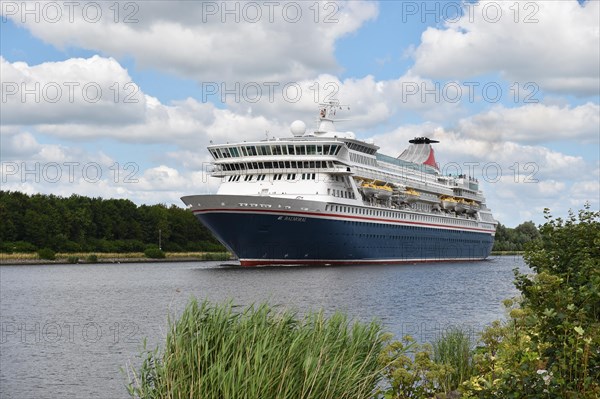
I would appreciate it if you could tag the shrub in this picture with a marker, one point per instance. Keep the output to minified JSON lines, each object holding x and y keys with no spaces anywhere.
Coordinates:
{"x":154,"y":253}
{"x":73,"y":259}
{"x":410,"y":371}
{"x":70,"y":246}
{"x":24,"y":247}
{"x":92,"y":258}
{"x":213,"y":351}
{"x":549,"y":346}
{"x":47,"y":254}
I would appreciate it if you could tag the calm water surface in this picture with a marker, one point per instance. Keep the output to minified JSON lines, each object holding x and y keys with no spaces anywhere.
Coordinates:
{"x":67,"y":330}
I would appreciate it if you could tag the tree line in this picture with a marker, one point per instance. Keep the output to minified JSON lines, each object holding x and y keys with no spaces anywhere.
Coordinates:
{"x":509,"y":239}
{"x":83,"y":224}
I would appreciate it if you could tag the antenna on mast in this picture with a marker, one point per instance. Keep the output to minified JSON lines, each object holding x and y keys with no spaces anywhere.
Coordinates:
{"x":327,"y":117}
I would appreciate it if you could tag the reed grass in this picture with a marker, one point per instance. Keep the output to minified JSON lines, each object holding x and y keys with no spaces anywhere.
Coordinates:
{"x":19,"y":256}
{"x":455,"y":349}
{"x":217,"y":351}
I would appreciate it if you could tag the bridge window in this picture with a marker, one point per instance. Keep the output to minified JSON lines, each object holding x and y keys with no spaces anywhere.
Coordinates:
{"x":264,"y":150}
{"x":276,"y":149}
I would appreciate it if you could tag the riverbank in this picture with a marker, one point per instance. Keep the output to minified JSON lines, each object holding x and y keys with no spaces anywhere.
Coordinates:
{"x":92,"y":258}
{"x":506,"y":253}
{"x":136,"y":257}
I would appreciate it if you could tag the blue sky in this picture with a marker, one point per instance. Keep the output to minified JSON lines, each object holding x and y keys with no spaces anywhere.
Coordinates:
{"x":373,"y":53}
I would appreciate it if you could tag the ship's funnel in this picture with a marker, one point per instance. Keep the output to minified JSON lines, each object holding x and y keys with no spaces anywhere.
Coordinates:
{"x":420,"y":152}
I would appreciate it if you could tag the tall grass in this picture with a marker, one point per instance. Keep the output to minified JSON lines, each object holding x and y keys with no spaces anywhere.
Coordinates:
{"x":215,"y":351}
{"x":455,"y":349}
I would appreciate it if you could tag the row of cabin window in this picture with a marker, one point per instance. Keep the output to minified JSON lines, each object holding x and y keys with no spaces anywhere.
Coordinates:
{"x":278,"y":165}
{"x":361,"y":148}
{"x":290,"y":176}
{"x":362,"y":159}
{"x":390,"y":214}
{"x":261,"y":150}
{"x":341,"y":193}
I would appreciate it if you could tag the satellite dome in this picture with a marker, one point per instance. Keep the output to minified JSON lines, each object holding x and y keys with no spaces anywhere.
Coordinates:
{"x":298,"y":128}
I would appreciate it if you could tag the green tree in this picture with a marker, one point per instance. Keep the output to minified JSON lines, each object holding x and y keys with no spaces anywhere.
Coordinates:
{"x":31,"y":222}
{"x":549,"y":347}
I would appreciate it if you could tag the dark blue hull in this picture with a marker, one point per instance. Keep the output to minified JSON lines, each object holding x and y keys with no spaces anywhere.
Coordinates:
{"x":262,"y":238}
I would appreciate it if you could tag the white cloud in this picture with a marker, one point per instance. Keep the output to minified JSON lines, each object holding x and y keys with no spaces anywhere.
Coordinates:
{"x":558,"y":47}
{"x":276,"y":41}
{"x":95,"y":90}
{"x":371,"y":101}
{"x":19,"y":144}
{"x":535,"y":123}
{"x":190,"y":122}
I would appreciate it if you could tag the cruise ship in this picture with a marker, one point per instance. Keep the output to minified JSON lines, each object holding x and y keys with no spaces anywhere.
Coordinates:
{"x":324,"y":197}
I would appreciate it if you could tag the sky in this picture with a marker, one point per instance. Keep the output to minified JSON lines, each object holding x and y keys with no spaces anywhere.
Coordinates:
{"x":120,"y":99}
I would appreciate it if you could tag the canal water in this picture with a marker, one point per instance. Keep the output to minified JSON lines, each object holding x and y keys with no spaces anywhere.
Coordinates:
{"x":70,"y":331}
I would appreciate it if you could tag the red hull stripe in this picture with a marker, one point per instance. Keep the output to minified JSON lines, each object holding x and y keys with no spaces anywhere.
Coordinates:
{"x":325,"y":262}
{"x":401,"y":222}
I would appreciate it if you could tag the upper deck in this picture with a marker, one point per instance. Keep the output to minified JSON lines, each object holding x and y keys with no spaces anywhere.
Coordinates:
{"x":326,"y":165}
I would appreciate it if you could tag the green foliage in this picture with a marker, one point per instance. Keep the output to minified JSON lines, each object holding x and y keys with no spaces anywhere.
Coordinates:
{"x":549,"y":346}
{"x":454,"y":349}
{"x":73,"y":259}
{"x":214,"y":351}
{"x":92,"y":258}
{"x":508,"y":239}
{"x":410,"y":371}
{"x":154,"y":253}
{"x":47,"y":254}
{"x":17,"y":247}
{"x":82,"y":224}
